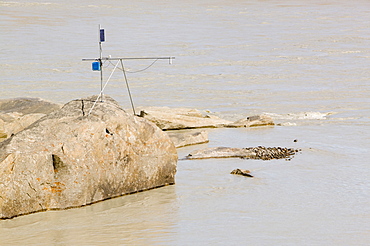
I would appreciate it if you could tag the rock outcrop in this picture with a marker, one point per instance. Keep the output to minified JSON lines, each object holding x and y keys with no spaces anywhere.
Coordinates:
{"x":70,"y":158}
{"x":260,"y":152}
{"x":18,"y":113}
{"x":181,"y":118}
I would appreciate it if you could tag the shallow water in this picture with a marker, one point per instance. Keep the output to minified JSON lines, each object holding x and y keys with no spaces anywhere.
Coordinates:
{"x":303,"y":63}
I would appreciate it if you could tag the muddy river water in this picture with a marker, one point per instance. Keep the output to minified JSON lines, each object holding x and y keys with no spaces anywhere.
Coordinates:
{"x":304,"y":63}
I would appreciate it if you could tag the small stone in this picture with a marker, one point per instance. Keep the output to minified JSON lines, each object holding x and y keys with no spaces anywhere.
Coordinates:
{"x":241,"y":172}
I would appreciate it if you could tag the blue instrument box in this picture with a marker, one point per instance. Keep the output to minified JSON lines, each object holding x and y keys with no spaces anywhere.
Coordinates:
{"x":96,"y":66}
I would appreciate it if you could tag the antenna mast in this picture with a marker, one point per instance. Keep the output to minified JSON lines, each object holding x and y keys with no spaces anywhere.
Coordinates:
{"x":101,"y":39}
{"x":97,"y":65}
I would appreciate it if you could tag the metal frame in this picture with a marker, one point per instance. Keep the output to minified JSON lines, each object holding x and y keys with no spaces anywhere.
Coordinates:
{"x":119,"y":60}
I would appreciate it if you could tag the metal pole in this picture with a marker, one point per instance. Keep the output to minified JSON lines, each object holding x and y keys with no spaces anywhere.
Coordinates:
{"x":101,"y":66}
{"x":128,"y":88}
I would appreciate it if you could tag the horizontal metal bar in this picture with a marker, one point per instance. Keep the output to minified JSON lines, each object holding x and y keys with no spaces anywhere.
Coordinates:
{"x":127,"y":58}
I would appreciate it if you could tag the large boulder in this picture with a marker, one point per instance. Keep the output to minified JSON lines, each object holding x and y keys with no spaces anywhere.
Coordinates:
{"x":18,"y":113}
{"x":71,"y":158}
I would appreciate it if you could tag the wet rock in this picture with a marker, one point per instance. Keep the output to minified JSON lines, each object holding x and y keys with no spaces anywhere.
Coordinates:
{"x":183,"y":138}
{"x":69,"y":158}
{"x":219,"y":152}
{"x":260,"y":152}
{"x":252,"y":121}
{"x":242,"y":172}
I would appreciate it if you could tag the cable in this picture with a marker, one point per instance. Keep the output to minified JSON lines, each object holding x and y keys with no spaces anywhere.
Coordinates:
{"x":141,"y":70}
{"x":144,"y":68}
{"x":101,"y":92}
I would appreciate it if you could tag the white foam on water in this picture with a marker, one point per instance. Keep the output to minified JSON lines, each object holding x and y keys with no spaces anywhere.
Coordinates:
{"x":300,"y":116}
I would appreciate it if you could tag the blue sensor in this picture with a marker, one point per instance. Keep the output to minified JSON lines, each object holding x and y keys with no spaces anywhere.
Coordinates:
{"x":96,"y":66}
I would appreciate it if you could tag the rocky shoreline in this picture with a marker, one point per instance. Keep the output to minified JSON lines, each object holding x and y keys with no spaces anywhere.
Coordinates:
{"x":57,"y":157}
{"x":18,"y":113}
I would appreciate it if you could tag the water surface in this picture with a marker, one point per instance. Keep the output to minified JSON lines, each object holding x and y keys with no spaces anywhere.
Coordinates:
{"x":303,"y":63}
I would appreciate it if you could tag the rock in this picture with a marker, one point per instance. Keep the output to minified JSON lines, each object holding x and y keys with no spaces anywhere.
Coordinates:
{"x":181,"y":118}
{"x":259,"y":152}
{"x":11,"y":123}
{"x":70,"y":159}
{"x":242,"y":172}
{"x":219,"y":152}
{"x":256,"y":120}
{"x":27,"y":106}
{"x":183,"y":138}
{"x":18,"y":113}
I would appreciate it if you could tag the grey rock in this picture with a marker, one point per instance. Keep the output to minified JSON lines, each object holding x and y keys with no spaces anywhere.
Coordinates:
{"x":220,"y":152}
{"x":18,"y":113}
{"x":183,"y":138}
{"x":27,"y":106}
{"x":260,"y":152}
{"x":181,"y":118}
{"x":252,"y":121}
{"x":70,"y":159}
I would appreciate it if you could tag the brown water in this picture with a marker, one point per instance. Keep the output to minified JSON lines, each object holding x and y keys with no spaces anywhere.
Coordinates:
{"x":305,"y":63}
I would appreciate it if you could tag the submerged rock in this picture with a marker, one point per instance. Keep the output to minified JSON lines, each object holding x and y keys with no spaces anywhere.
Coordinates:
{"x":242,"y":172}
{"x":183,"y":138}
{"x":252,"y":121}
{"x":260,"y":152}
{"x":70,"y":158}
